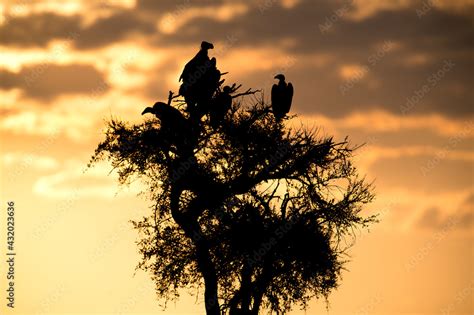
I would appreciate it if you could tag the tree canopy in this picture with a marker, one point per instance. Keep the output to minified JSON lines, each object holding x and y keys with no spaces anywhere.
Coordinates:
{"x":258,"y":214}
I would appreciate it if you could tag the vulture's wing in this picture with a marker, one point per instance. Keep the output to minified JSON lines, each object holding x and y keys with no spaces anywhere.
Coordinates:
{"x":174,"y":114}
{"x":277,"y":101}
{"x":189,"y":67}
{"x":227,"y":102}
{"x":289,"y":96}
{"x":275,"y":94}
{"x":186,"y":70}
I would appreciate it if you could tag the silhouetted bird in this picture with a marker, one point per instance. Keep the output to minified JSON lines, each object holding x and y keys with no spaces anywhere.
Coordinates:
{"x":173,"y":124}
{"x":201,"y":59}
{"x":210,"y":79}
{"x":220,"y":105}
{"x":200,"y":80}
{"x":282,"y":95}
{"x":168,"y":115}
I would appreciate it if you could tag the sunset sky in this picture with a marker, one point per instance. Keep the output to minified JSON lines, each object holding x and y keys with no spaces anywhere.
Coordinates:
{"x":396,"y":75}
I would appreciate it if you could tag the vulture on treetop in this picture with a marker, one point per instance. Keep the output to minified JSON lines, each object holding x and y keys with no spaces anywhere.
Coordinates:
{"x":173,"y":124}
{"x":200,"y":80}
{"x":193,"y":65}
{"x":169,"y":116}
{"x":282,"y":95}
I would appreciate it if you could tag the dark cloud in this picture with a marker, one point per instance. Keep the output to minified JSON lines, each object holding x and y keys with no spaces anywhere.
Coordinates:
{"x":46,"y":81}
{"x":408,"y":137}
{"x":155,"y":89}
{"x":265,"y":22}
{"x":469,"y":201}
{"x":174,"y":6}
{"x":394,"y":87}
{"x":423,"y":173}
{"x":466,"y":213}
{"x":431,"y":218}
{"x":390,"y":86}
{"x":312,"y":28}
{"x":304,"y":23}
{"x":112,"y":29}
{"x":4,"y":112}
{"x":38,"y":29}
{"x":463,"y":218}
{"x":389,"y":82}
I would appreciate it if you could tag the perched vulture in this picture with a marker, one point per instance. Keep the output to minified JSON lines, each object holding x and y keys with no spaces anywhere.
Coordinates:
{"x":220,"y":105}
{"x":200,"y":80}
{"x":173,"y":124}
{"x":169,"y":116}
{"x":200,"y":60}
{"x":282,"y":95}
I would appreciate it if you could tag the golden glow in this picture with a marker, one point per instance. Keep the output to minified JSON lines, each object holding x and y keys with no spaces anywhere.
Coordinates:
{"x":366,"y":8}
{"x":172,"y":21}
{"x":353,"y":72}
{"x":288,"y":4}
{"x":418,"y":59}
{"x":382,"y":121}
{"x":77,"y":251}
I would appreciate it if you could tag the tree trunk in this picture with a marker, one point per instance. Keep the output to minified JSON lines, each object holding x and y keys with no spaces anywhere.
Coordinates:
{"x":260,"y":286}
{"x":206,"y":267}
{"x":204,"y":260}
{"x":243,"y":296}
{"x":246,"y":287}
{"x":210,"y":280}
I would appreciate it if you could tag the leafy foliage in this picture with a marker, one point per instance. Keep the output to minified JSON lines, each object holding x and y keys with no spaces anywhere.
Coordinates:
{"x":260,"y":210}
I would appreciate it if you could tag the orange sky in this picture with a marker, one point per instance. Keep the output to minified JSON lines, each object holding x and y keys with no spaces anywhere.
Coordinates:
{"x":396,"y":75}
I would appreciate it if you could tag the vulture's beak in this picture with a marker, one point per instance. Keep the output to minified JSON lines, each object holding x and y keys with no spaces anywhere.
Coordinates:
{"x":147,"y":110}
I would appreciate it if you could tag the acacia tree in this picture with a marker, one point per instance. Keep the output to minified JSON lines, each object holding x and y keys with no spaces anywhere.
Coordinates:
{"x":253,"y":211}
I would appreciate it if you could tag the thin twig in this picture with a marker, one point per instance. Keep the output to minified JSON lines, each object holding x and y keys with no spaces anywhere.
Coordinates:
{"x":248,"y":92}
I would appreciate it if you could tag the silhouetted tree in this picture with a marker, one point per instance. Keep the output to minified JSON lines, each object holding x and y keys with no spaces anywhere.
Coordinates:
{"x":255,"y":212}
